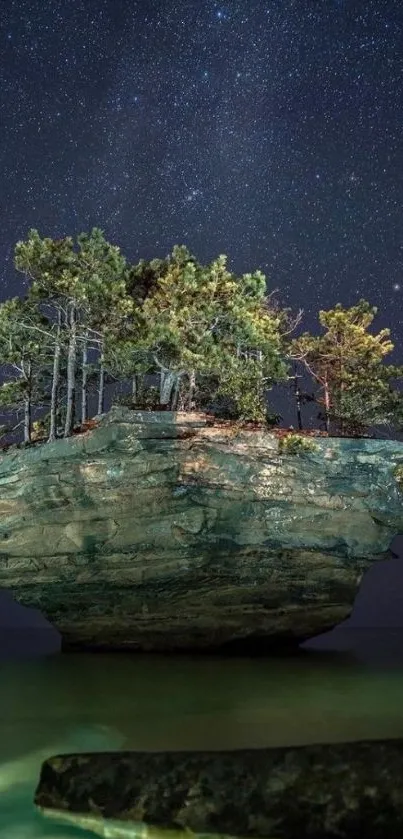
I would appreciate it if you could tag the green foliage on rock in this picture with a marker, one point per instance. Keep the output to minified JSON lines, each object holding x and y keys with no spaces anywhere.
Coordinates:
{"x":296,"y":444}
{"x":180,"y":335}
{"x":398,"y":474}
{"x":25,"y":359}
{"x":356,"y":389}
{"x":173,"y":319}
{"x":82,"y":285}
{"x":203,"y":321}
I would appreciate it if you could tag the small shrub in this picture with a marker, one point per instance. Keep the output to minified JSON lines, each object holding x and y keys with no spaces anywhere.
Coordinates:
{"x":38,"y":430}
{"x":398,"y":475}
{"x":296,"y":444}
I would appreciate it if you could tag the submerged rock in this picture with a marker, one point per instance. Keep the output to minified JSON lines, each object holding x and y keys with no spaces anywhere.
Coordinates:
{"x":161,"y":531}
{"x":334,"y":791}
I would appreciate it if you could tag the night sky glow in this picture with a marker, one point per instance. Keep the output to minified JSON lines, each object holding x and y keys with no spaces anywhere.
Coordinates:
{"x":270,"y":131}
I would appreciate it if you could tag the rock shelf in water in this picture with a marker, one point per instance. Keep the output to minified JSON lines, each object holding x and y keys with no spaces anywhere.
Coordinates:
{"x":161,"y":531}
{"x":335,"y":791}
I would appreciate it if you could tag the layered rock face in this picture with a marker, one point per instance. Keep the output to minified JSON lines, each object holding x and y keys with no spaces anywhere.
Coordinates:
{"x":158,"y":531}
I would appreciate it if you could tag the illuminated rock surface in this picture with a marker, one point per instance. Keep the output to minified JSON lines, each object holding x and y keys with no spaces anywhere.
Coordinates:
{"x":160,"y":531}
{"x":332,"y":791}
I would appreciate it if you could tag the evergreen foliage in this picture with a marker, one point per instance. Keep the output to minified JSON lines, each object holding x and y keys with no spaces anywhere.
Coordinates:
{"x":356,"y":389}
{"x":181,"y":335}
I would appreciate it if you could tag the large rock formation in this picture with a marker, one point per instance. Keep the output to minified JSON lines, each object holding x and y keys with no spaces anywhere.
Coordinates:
{"x":162,"y":531}
{"x":334,"y":791}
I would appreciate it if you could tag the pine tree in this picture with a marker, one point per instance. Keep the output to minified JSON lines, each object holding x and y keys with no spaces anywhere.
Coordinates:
{"x":102,"y":270}
{"x":202,"y":320}
{"x":25,"y":356}
{"x":355,"y":387}
{"x":83,"y":288}
{"x":48,"y":265}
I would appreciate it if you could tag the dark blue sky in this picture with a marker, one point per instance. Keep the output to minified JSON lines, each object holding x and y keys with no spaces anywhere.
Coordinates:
{"x":270,"y":131}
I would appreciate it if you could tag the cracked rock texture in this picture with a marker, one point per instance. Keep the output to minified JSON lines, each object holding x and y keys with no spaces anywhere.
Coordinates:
{"x":161,"y":531}
{"x":329,"y":791}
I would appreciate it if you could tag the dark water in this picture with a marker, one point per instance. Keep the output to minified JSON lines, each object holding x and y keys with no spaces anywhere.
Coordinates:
{"x":97,"y":702}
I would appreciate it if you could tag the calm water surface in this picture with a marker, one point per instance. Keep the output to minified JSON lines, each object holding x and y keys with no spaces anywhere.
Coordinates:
{"x":83,"y":702}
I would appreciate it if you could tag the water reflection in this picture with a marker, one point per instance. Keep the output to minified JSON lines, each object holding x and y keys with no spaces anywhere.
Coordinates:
{"x":19,"y":776}
{"x":96,"y":702}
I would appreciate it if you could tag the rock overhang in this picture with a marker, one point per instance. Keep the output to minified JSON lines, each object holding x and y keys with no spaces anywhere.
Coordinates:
{"x":170,"y":526}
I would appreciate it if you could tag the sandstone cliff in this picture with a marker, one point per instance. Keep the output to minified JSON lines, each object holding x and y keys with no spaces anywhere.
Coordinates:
{"x":160,"y":531}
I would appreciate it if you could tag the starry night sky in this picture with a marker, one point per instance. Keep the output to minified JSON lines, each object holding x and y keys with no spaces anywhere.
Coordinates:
{"x":270,"y":131}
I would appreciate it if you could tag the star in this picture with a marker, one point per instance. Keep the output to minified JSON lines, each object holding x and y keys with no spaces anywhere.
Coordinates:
{"x":239,"y":129}
{"x":192,"y":195}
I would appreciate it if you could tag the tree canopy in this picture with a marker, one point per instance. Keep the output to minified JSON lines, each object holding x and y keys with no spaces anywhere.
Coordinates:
{"x":177,"y":335}
{"x":356,"y":388}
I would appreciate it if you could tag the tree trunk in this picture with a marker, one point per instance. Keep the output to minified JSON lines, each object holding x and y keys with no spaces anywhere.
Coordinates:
{"x":73,"y":409}
{"x":297,"y":398}
{"x":55,"y":382}
{"x":175,"y":394}
{"x":28,"y":406}
{"x":84,"y":379}
{"x":192,"y":390}
{"x":134,"y":389}
{"x":167,"y":382}
{"x":327,"y":406}
{"x":101,"y":384}
{"x":341,"y":393}
{"x":71,"y":371}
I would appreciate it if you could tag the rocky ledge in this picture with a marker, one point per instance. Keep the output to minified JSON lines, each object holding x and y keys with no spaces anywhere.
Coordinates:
{"x":334,"y":791}
{"x":157,"y":531}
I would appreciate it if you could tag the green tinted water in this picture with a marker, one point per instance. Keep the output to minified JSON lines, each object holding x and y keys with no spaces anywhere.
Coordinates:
{"x":100,"y":702}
